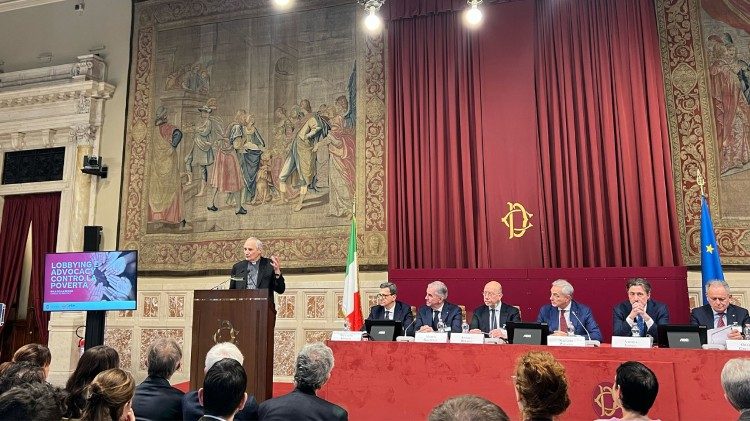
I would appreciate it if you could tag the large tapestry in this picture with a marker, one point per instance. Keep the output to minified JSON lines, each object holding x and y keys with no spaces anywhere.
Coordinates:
{"x":245,"y":121}
{"x":706,"y":61}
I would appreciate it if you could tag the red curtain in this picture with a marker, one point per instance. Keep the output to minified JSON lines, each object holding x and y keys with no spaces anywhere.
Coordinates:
{"x":13,"y":233}
{"x":436,"y":197}
{"x":41,"y":211}
{"x":607,"y":188}
{"x":45,"y":211}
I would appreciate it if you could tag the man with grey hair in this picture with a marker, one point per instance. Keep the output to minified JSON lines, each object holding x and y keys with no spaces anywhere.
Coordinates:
{"x":155,"y":398}
{"x":256,"y":271}
{"x":437,"y":309}
{"x":389,"y":308}
{"x":720,"y":311}
{"x":313,"y":369}
{"x":563,"y":315}
{"x":467,"y":407}
{"x":735,"y":380}
{"x":192,"y":410}
{"x":639,"y":310}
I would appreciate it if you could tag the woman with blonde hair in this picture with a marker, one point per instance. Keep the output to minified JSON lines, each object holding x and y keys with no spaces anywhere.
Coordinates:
{"x":110,"y":396}
{"x":541,"y":386}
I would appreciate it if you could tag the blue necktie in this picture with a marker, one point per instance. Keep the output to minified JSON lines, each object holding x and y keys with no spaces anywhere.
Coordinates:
{"x":641,"y":325}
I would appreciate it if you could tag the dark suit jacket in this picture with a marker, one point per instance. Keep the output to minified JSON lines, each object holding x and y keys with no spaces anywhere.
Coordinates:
{"x":551,"y":315}
{"x":301,"y":405}
{"x":704,"y":316}
{"x":401,"y":312}
{"x":156,"y":399}
{"x":266,"y":277}
{"x":192,"y":409}
{"x":481,"y":318}
{"x":656,"y":310}
{"x":451,"y":316}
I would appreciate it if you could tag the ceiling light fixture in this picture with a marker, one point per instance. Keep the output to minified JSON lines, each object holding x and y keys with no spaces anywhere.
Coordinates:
{"x":282,"y":4}
{"x":372,"y":21}
{"x":473,"y":16}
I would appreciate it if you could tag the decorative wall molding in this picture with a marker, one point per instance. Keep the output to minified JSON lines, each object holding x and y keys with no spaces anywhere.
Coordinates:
{"x":58,"y":106}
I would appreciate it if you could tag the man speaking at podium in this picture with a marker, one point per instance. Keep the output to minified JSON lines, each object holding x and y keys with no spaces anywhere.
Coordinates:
{"x":257,"y":272}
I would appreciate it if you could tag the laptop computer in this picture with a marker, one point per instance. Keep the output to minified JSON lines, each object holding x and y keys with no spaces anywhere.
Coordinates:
{"x":527,"y":333}
{"x":383,"y":330}
{"x":681,"y":336}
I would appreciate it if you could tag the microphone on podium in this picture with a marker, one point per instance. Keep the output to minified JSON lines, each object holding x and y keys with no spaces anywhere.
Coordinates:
{"x":231,"y":278}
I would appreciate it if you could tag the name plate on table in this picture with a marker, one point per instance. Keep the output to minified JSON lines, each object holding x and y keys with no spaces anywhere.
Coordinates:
{"x":467,"y":338}
{"x":738,"y":344}
{"x":346,"y":335}
{"x":431,"y":337}
{"x":632,"y":342}
{"x":553,"y":340}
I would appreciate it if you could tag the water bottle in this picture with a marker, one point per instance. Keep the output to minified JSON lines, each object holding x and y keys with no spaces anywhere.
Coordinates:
{"x":634,"y":331}
{"x":746,"y":331}
{"x":346,"y":325}
{"x":441,"y":326}
{"x":571,"y":330}
{"x":465,"y":327}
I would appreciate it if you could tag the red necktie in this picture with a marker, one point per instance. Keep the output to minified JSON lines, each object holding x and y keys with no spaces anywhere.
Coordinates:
{"x":720,"y":323}
{"x":563,"y":322}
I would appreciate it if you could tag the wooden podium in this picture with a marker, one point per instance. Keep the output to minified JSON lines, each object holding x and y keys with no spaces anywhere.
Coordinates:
{"x":244,"y":317}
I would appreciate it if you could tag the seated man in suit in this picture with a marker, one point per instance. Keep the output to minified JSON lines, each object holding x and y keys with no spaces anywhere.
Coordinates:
{"x":391,"y":309}
{"x":564,"y":312}
{"x":719,"y":311}
{"x":223,"y":391}
{"x":490,"y":318}
{"x":437,"y":309}
{"x":155,"y":398}
{"x":192,"y":409}
{"x":257,"y":272}
{"x":639,"y":310}
{"x":313,"y":369}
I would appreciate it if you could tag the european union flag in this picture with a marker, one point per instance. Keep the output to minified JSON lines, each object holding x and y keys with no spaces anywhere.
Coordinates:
{"x":710,"y":262}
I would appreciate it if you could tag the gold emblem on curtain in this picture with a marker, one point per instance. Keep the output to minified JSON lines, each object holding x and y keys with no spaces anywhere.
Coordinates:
{"x":517,"y":220}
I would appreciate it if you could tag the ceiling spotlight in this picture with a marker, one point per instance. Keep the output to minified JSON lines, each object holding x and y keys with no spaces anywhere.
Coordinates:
{"x":473,"y":16}
{"x":373,"y":22}
{"x":282,"y":4}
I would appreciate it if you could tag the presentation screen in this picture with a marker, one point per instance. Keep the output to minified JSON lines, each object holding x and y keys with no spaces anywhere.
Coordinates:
{"x":91,"y":280}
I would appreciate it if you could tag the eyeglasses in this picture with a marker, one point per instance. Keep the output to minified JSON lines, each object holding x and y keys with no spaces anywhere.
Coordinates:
{"x":489,"y":293}
{"x":384,"y":295}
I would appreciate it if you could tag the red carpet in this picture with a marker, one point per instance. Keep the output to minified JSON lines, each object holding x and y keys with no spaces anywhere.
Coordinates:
{"x":278,"y":388}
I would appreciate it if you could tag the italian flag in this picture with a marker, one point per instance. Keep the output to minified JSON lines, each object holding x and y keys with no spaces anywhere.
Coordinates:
{"x":352,"y":305}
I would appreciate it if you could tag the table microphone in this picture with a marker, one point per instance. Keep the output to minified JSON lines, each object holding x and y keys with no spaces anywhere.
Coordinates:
{"x":410,"y":325}
{"x":589,"y":341}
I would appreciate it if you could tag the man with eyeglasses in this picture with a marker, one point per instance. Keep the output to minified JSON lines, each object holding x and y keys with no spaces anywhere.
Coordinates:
{"x":491,"y":317}
{"x":389,"y":308}
{"x":720,"y":311}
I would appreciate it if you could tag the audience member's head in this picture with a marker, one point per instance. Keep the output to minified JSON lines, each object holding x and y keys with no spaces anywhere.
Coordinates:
{"x":220,"y":351}
{"x":19,"y":374}
{"x":314,"y":365}
{"x":735,"y":379}
{"x":38,"y":401}
{"x":468,"y":408}
{"x":34,"y":353}
{"x":223,"y":391}
{"x":95,"y":360}
{"x":541,"y":386}
{"x":109,"y":396}
{"x":164,"y":358}
{"x":636,"y":387}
